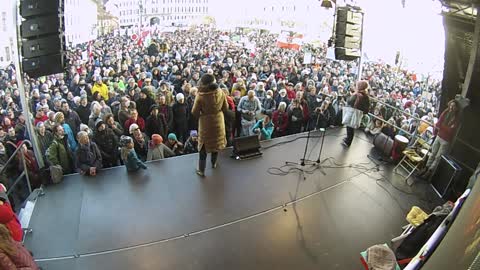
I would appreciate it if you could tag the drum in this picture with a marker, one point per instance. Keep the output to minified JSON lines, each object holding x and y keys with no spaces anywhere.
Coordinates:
{"x":400,"y":144}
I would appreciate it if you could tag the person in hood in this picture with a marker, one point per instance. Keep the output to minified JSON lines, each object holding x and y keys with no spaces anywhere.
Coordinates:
{"x":209,"y":107}
{"x":107,"y":142}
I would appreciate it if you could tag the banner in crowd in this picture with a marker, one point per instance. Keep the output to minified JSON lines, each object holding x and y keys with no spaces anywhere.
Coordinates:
{"x":286,"y":41}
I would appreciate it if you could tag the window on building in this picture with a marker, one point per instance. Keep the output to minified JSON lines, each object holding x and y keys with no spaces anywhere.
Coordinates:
{"x":7,"y":53}
{"x":293,"y":8}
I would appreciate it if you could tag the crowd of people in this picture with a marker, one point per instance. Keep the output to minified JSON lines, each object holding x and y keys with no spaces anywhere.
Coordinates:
{"x":142,"y":95}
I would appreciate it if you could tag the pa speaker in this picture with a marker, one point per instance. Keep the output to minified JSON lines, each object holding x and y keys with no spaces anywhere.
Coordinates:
{"x":42,"y":34}
{"x":348,"y":33}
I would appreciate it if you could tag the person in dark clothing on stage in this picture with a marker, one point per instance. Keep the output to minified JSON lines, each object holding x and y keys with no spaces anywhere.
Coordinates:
{"x":360,"y":101}
{"x":180,"y":118}
{"x":88,"y":158}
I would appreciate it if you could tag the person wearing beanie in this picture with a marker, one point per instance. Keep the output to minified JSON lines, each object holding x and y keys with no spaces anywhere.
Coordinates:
{"x":174,"y":144}
{"x":40,"y":115}
{"x":107,"y":142}
{"x":156,"y":123}
{"x":209,"y":107}
{"x":191,"y":145}
{"x":144,"y":102}
{"x":88,"y":159}
{"x":60,"y":119}
{"x":180,"y":118}
{"x":361,"y":103}
{"x":157,"y":150}
{"x":129,"y":156}
{"x":44,"y":136}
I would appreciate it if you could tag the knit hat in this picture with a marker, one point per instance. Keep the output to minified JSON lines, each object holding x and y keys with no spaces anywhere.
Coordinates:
{"x":124,"y":140}
{"x":144,"y":91}
{"x":157,"y":139}
{"x":172,"y":136}
{"x":193,"y":133}
{"x":154,"y":106}
{"x":180,"y":96}
{"x":132,"y":128}
{"x":39,"y":124}
{"x":98,"y":122}
{"x":84,"y":127}
{"x":362,"y":85}
{"x":38,"y":107}
{"x":57,"y":116}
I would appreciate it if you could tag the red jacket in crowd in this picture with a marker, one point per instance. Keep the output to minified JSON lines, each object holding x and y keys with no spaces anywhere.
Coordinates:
{"x":291,"y":93}
{"x":140,"y":122}
{"x":280,"y":121}
{"x":10,"y":220}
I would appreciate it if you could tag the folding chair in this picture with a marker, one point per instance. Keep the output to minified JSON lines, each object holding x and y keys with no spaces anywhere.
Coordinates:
{"x":414,"y":157}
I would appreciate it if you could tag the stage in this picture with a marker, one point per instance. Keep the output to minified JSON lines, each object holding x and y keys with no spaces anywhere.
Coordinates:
{"x":239,"y":216}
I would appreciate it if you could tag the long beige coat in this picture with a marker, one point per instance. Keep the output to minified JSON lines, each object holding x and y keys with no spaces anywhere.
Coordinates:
{"x":209,"y":107}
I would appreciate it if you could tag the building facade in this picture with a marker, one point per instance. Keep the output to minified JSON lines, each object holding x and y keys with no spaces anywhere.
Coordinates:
{"x":107,"y":22}
{"x":7,"y":32}
{"x":303,"y":16}
{"x":81,"y":21}
{"x":144,"y":13}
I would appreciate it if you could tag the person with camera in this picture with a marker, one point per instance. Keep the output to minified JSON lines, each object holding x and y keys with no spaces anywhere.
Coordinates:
{"x":264,"y":128}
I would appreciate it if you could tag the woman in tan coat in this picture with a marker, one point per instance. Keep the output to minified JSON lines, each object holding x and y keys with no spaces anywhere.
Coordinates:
{"x":209,"y":106}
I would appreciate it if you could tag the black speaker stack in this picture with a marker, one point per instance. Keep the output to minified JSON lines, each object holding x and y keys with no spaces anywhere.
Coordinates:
{"x":42,"y":35}
{"x":348,"y":33}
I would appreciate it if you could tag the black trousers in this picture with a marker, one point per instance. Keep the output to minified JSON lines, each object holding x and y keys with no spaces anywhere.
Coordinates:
{"x":350,"y":134}
{"x":202,"y":163}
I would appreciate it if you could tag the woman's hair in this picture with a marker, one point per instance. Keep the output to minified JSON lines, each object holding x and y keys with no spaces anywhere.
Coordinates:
{"x":6,"y":241}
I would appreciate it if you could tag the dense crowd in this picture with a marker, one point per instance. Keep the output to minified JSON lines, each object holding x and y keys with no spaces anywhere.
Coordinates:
{"x":122,"y":87}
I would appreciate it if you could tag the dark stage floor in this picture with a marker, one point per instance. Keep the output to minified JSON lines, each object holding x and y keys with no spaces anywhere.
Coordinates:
{"x":238,"y":217}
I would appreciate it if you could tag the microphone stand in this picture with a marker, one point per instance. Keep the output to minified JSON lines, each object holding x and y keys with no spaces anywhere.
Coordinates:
{"x":304,"y":161}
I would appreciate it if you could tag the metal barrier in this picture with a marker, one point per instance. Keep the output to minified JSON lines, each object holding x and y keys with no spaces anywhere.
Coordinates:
{"x":31,"y":195}
{"x":395,"y":108}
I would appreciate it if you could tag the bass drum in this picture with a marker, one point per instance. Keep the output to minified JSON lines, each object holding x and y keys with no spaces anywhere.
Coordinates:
{"x":383,"y":144}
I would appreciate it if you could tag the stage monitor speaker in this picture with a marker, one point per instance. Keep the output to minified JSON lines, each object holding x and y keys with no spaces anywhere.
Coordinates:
{"x":245,"y":147}
{"x":43,"y":39}
{"x":348,"y":33}
{"x":444,"y":178}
